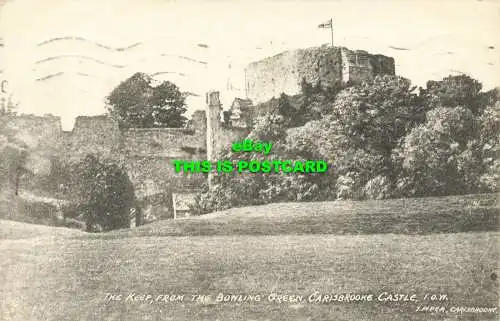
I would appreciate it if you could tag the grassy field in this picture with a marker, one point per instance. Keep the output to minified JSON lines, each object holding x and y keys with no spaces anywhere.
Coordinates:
{"x":399,"y":216}
{"x":19,"y":230}
{"x":57,"y":274}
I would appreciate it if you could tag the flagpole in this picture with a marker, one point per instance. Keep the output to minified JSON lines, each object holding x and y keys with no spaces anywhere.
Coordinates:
{"x":331,"y":29}
{"x":326,"y":25}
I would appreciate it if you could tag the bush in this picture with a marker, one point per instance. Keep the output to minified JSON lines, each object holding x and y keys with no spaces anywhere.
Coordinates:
{"x":103,"y":192}
{"x":381,"y":139}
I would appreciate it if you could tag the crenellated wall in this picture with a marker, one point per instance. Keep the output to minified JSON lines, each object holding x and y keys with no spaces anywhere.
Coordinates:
{"x":147,"y":154}
{"x":91,"y":134}
{"x":162,"y":142}
{"x":229,"y":135}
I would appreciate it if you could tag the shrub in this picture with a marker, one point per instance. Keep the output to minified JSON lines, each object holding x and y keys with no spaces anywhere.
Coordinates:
{"x":382,"y":138}
{"x":104,"y":193}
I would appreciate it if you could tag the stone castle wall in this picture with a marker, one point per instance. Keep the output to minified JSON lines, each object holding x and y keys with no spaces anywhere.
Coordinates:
{"x":359,"y":65}
{"x":91,"y":134}
{"x":269,"y":77}
{"x":284,"y":72}
{"x":9,"y":162}
{"x":162,"y":142}
{"x":147,"y":154}
{"x":41,"y":134}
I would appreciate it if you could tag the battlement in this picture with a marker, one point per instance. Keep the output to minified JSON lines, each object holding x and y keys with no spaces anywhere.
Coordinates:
{"x":40,"y":127}
{"x":32,"y":117}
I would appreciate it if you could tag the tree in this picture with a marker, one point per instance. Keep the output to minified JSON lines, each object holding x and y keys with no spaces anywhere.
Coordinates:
{"x":381,"y":139}
{"x":314,"y":102}
{"x":378,"y":113}
{"x":356,"y":134}
{"x":137,"y":103}
{"x":490,"y":143}
{"x":440,"y":156}
{"x":455,"y":91}
{"x":332,"y":91}
{"x":306,"y":88}
{"x":245,"y":189}
{"x":286,"y":110}
{"x":104,"y":193}
{"x":12,"y":142}
{"x":269,"y":127}
{"x":351,"y":166}
{"x":319,"y":87}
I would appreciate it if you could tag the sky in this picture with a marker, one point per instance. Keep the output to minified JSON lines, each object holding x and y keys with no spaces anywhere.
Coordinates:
{"x":64,"y":56}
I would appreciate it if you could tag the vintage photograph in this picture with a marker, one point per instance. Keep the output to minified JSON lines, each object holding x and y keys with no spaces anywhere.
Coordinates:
{"x":249,"y":160}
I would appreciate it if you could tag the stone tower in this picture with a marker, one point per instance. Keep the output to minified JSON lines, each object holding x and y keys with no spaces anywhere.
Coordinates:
{"x":214,"y":109}
{"x":283,"y":73}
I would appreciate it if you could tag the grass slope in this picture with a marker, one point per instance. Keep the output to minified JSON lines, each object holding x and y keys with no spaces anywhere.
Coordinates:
{"x":60,"y":274}
{"x":19,"y":230}
{"x":67,"y":279}
{"x":401,"y":216}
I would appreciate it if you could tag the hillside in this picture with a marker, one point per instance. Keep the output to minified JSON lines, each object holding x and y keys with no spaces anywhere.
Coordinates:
{"x":67,"y":279}
{"x":19,"y":230}
{"x":400,"y":216}
{"x":427,"y":215}
{"x":51,"y":273}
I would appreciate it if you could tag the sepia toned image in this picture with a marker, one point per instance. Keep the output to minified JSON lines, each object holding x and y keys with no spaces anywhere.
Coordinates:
{"x":249,"y":160}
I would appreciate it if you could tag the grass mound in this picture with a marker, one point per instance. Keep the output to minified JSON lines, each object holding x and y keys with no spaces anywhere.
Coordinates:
{"x":399,"y":216}
{"x":20,"y":230}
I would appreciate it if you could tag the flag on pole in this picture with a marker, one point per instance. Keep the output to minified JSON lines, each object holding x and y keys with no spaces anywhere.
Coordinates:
{"x":327,"y":24}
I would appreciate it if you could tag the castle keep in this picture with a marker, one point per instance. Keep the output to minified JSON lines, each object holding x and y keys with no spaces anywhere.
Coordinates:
{"x":284,"y":72}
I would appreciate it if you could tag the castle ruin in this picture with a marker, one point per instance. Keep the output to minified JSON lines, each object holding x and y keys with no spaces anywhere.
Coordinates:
{"x":147,"y":153}
{"x":328,"y":65}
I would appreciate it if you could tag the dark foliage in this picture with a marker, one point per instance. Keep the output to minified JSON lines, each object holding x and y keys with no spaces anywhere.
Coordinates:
{"x":137,"y":103}
{"x":103,"y":193}
{"x":383,"y":138}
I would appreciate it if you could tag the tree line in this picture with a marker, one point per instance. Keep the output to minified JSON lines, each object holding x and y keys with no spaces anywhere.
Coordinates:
{"x":384,"y":138}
